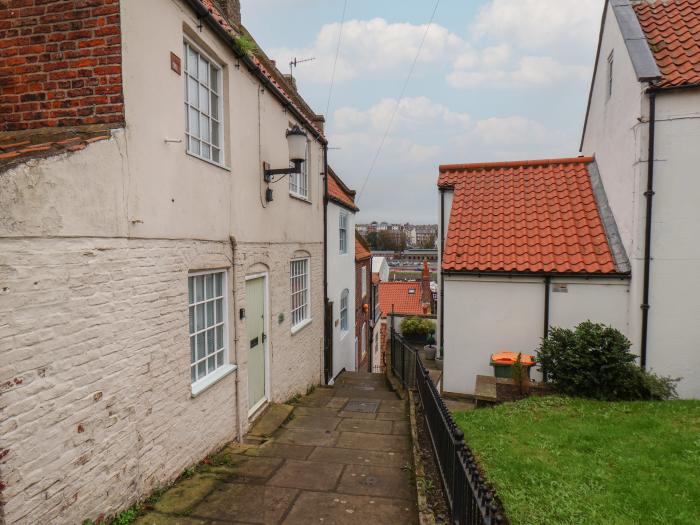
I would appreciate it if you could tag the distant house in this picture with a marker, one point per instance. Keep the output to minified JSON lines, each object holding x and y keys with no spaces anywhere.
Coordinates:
{"x":341,"y":286}
{"x":610,"y":237}
{"x":363,"y":300}
{"x":526,"y":246}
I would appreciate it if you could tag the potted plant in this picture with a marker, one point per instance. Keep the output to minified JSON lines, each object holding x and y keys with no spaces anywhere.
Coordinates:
{"x":430,"y":349}
{"x":439,"y":358}
{"x":417,"y":329}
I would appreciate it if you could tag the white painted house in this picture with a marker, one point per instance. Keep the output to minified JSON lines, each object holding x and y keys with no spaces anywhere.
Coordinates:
{"x":155,"y":294}
{"x":526,"y":245}
{"x":341,"y":285}
{"x":503,"y":279}
{"x":380,"y":269}
{"x":647,"y":77}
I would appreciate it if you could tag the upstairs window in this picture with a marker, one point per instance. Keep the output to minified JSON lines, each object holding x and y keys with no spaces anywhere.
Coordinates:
{"x":343,"y":232}
{"x":203,"y":106}
{"x":344,"y":310}
{"x":364,"y":282}
{"x":299,"y":182}
{"x":299,"y":277}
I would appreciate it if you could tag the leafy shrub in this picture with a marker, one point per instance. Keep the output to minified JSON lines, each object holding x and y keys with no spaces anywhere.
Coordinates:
{"x":417,"y":327}
{"x":594,"y":361}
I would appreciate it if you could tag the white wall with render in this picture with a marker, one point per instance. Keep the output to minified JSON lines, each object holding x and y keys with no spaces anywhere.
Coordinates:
{"x":341,"y":276}
{"x":484,"y":315}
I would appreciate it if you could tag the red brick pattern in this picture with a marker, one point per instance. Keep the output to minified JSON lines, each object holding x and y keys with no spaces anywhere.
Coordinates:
{"x":531,"y":216}
{"x":60,"y":63}
{"x":672,"y":28}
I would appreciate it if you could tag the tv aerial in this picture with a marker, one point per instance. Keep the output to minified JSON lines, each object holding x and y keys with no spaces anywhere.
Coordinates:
{"x":295,"y":63}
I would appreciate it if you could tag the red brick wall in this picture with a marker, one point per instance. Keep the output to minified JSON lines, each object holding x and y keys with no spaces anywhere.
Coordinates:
{"x":60,"y":63}
{"x":360,"y":315}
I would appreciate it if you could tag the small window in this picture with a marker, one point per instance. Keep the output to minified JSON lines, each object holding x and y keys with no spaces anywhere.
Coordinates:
{"x":411,"y":291}
{"x":344,"y":310}
{"x":207,"y":312}
{"x":610,"y":74}
{"x":364,"y":282}
{"x":343,"y":232}
{"x":299,"y":182}
{"x":203,"y":106}
{"x":299,"y":281}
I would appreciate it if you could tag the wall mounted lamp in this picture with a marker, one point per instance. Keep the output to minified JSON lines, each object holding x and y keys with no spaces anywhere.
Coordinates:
{"x":296,"y":141}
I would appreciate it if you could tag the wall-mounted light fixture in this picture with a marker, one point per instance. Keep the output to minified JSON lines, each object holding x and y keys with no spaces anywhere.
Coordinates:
{"x":296,"y":141}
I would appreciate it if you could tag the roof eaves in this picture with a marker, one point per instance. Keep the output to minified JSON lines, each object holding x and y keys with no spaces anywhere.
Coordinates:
{"x":519,"y":273}
{"x":617,"y":248}
{"x":343,"y":204}
{"x":643,"y":60}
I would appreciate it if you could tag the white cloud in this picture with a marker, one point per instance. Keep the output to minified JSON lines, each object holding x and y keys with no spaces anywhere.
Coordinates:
{"x":539,"y":24}
{"x":371,"y":46}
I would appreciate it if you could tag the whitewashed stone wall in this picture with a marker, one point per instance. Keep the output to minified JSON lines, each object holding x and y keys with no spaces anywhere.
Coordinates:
{"x":95,"y":399}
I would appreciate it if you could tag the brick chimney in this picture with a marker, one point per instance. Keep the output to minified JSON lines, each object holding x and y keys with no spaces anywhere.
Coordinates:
{"x":61,"y":64}
{"x":426,"y":294}
{"x":232,"y":10}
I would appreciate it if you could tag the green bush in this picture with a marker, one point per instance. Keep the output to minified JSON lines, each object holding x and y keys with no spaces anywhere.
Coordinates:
{"x":417,"y":327}
{"x":594,"y":361}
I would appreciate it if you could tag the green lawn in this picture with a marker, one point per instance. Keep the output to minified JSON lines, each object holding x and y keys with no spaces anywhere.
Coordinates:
{"x":558,"y":460}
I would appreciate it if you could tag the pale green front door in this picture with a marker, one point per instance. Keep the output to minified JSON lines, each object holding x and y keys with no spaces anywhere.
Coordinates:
{"x":255,"y":317}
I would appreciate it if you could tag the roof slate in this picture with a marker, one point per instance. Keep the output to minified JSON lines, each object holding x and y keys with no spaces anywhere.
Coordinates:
{"x":672,"y":28}
{"x":362,"y":252}
{"x":340,"y":193}
{"x":526,"y":216}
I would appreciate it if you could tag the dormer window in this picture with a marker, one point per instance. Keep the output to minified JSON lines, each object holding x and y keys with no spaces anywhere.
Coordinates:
{"x":411,"y":291}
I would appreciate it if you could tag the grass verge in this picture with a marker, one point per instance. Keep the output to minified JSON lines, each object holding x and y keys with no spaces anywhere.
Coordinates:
{"x":570,"y":461}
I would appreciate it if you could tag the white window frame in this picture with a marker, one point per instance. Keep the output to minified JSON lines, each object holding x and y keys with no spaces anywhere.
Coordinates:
{"x":199,"y":334}
{"x":299,"y":182}
{"x":215,"y":123}
{"x":363,"y":343}
{"x":364,"y":282}
{"x":300,"y":301}
{"x":343,"y":233}
{"x":344,"y":299}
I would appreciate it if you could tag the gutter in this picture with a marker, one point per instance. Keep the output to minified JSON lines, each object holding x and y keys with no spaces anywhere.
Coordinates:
{"x":649,"y":194}
{"x":442,"y":273}
{"x":326,"y":335}
{"x":481,"y":273}
{"x":204,"y":14}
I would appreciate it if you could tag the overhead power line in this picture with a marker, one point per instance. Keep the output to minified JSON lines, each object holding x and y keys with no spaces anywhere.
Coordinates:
{"x":398,"y":103}
{"x":335,"y":61}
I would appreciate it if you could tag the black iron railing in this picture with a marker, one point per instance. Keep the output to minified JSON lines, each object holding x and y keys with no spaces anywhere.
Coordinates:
{"x":471,"y":500}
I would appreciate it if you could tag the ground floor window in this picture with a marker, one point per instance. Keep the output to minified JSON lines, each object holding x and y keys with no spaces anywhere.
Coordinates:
{"x":299,"y":281}
{"x":207,"y":312}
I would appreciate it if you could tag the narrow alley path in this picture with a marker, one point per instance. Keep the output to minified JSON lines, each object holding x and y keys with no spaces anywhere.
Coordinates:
{"x":343,"y":458}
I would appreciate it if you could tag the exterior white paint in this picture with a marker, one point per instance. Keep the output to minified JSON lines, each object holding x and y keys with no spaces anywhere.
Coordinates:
{"x":617,"y":134}
{"x":381,"y":267}
{"x":484,"y":315}
{"x":341,"y":276}
{"x":95,"y":250}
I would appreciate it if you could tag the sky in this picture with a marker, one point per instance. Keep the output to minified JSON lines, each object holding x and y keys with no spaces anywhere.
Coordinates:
{"x":494,"y":80}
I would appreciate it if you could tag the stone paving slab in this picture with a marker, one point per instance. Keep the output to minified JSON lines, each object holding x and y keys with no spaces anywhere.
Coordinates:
{"x":391,"y":416}
{"x":246,"y":503}
{"x":271,"y":420}
{"x":342,"y":509}
{"x":316,"y":411}
{"x":297,"y":436}
{"x":282,"y":450}
{"x":364,"y":441}
{"x":360,"y":457}
{"x":314,"y":422}
{"x":401,"y":428}
{"x":390,"y":482}
{"x":247,"y":467}
{"x":307,"y":475}
{"x":357,"y":415}
{"x":186,"y":494}
{"x":370,"y":426}
{"x":155,"y":518}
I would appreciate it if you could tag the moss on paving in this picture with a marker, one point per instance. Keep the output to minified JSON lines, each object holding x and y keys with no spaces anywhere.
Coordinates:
{"x":572,"y":461}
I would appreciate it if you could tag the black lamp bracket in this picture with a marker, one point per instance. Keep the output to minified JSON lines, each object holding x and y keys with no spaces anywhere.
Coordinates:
{"x":268,"y":173}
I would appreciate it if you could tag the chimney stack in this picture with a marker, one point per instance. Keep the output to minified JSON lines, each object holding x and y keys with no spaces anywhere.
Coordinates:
{"x":232,"y":10}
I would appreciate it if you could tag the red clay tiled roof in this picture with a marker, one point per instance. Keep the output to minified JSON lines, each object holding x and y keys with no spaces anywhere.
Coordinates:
{"x":362,"y":252}
{"x":527,"y":216}
{"x":339,"y":192}
{"x":15,"y":149}
{"x":672,"y":28}
{"x":264,"y":64}
{"x":394,"y":297}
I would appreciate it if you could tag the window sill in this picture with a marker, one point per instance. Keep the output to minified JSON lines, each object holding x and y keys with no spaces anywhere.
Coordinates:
{"x":204,"y":383}
{"x":301,"y":326}
{"x":217,"y":164}
{"x":299,"y":197}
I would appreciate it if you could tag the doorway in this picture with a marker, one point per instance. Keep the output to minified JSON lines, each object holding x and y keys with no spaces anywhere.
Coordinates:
{"x":257,"y":323}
